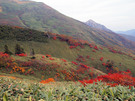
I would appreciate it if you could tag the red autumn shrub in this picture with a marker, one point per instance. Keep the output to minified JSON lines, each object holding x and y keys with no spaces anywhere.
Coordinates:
{"x":90,"y":46}
{"x":128,"y":71}
{"x":5,"y":60}
{"x":74,"y":63}
{"x":47,"y":55}
{"x":4,"y":54}
{"x":84,"y":66}
{"x":72,"y":47}
{"x":54,"y":38}
{"x":64,"y":60}
{"x":114,"y":79}
{"x":43,"y":56}
{"x":22,"y":54}
{"x":78,"y":59}
{"x":93,"y":50}
{"x":101,"y":59}
{"x":51,"y":58}
{"x":96,"y":48}
{"x":103,"y":64}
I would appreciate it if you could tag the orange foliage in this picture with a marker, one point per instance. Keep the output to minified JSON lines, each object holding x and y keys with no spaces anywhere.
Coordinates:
{"x":47,"y":80}
{"x":47,"y":55}
{"x":16,"y":68}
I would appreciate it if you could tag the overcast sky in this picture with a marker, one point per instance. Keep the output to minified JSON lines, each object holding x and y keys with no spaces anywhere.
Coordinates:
{"x":117,"y":15}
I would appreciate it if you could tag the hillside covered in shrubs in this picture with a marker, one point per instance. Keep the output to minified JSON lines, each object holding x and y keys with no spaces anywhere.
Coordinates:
{"x":48,"y":59}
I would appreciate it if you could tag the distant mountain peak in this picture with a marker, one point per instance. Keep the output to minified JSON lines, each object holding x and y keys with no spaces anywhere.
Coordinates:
{"x":96,"y":25}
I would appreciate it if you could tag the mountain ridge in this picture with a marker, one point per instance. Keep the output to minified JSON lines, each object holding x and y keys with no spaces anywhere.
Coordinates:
{"x":39,"y":16}
{"x":129,"y":37}
{"x":128,"y":32}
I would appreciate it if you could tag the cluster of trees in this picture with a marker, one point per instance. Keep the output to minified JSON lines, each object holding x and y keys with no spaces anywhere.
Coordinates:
{"x":18,"y":50}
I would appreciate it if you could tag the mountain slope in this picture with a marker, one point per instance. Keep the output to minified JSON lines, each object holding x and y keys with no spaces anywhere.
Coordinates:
{"x":129,"y":32}
{"x":41,"y":17}
{"x":129,"y":37}
{"x":93,"y":24}
{"x":60,"y":47}
{"x":103,"y":29}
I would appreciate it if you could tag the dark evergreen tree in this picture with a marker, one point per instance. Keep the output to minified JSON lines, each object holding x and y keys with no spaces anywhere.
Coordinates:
{"x":18,"y":49}
{"x":22,"y":50}
{"x":33,"y":54}
{"x":7,"y":50}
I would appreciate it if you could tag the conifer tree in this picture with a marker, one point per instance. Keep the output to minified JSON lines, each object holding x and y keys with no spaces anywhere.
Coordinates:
{"x":19,"y":49}
{"x":7,"y":50}
{"x":33,"y":54}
